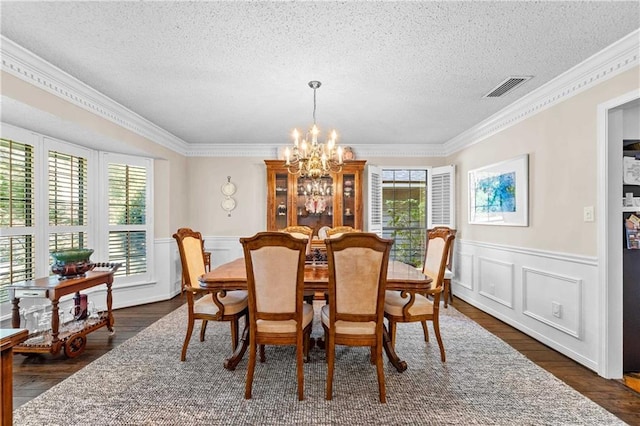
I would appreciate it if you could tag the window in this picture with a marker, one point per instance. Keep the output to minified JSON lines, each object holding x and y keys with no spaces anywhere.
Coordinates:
{"x":412,"y":201}
{"x":128,"y":188}
{"x":404,"y":195}
{"x":68,"y":213}
{"x":17,"y":200}
{"x":55,"y":195}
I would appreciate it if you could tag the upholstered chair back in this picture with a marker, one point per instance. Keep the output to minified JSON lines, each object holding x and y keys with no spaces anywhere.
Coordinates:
{"x":436,"y":256}
{"x":275,"y":278}
{"x":194,"y":259}
{"x":358,"y":274}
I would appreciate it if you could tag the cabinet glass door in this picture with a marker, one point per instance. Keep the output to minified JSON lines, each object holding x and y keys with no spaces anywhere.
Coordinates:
{"x":348,"y":200}
{"x":314,"y":205}
{"x":281,"y":200}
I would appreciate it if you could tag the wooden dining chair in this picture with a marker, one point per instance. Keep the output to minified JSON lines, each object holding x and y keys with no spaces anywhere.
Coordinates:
{"x":447,"y":292}
{"x":202,"y":304}
{"x":339,"y":230}
{"x":300,"y":231}
{"x":401,"y":307}
{"x":354,"y":316}
{"x":277,"y":312}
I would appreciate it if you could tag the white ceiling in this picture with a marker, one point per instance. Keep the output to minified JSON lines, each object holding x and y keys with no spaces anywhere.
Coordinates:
{"x":237,"y":72}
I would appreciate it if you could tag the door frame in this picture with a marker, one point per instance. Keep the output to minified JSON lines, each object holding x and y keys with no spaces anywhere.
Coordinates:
{"x":609,"y":240}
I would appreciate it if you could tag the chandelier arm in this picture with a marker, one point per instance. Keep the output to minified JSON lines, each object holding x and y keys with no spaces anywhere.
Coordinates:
{"x":312,"y":159}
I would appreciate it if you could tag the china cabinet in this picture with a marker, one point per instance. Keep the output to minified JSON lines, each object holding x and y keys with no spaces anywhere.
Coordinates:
{"x":334,"y":200}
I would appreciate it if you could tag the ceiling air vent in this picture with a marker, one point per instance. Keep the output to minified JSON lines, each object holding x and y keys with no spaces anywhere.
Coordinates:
{"x":508,"y":85}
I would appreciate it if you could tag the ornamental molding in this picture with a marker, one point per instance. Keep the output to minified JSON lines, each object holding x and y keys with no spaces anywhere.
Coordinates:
{"x":29,"y":67}
{"x":615,"y":59}
{"x":609,"y":62}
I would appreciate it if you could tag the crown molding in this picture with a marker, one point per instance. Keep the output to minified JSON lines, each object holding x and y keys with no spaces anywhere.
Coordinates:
{"x":273,"y":151}
{"x":29,"y":67}
{"x":398,"y":150}
{"x":232,"y":150}
{"x":609,"y":62}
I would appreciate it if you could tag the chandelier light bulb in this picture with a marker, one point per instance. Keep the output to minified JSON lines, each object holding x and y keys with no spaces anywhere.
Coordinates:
{"x":310,"y":158}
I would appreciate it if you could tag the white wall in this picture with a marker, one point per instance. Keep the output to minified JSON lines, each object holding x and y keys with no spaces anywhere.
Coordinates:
{"x":518,"y":274}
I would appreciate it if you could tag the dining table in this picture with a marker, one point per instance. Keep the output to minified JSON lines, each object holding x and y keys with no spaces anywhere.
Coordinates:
{"x":233,"y":276}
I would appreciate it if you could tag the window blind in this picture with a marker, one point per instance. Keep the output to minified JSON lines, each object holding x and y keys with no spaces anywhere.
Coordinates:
{"x":127,"y":211}
{"x":17,"y":199}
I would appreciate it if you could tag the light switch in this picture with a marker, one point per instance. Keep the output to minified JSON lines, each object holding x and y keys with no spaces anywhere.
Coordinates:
{"x":588,"y":214}
{"x":556,"y":309}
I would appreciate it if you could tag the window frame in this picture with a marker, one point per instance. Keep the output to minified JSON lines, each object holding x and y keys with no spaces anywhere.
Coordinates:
{"x":431,"y":171}
{"x":97,"y":205}
{"x":112,"y":158}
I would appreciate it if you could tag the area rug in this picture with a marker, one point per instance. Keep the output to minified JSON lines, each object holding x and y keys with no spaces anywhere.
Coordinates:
{"x":142,"y":382}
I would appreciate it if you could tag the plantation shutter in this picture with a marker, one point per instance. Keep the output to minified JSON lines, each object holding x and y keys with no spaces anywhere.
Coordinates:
{"x":68,"y":189}
{"x":374,"y":218}
{"x":127,"y":218}
{"x":17,"y":206}
{"x":441,"y":197}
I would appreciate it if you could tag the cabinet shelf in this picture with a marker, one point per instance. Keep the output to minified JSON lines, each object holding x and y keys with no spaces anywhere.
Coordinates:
{"x":339,"y":207}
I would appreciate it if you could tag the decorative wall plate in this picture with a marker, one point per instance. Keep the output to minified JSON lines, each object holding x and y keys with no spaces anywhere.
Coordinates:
{"x":228,"y":204}
{"x":229,"y":188}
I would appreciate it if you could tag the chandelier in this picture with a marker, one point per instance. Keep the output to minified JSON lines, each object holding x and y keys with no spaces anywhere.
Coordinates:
{"x":312,"y":159}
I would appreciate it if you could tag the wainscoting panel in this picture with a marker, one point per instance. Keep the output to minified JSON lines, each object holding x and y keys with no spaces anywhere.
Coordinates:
{"x":495,"y":280}
{"x":553,"y":300}
{"x":463,"y":270}
{"x":223,"y":249}
{"x":547,"y":295}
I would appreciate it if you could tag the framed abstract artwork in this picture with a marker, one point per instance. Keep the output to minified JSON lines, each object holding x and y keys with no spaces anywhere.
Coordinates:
{"x":499,"y":193}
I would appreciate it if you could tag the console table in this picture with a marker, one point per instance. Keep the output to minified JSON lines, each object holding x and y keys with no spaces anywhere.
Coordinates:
{"x":53,"y":288}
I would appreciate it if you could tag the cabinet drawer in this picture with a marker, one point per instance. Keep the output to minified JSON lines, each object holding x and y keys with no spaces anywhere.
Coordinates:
{"x":37,"y":292}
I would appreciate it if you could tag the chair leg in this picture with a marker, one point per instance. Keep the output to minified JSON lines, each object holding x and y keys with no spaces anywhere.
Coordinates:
{"x":326,"y":346}
{"x":425,"y":331}
{"x":307,"y":345}
{"x":203,"y":328}
{"x":446,"y":291}
{"x":250,"y":368}
{"x":187,"y":337}
{"x":380,"y":371}
{"x":331,"y":353}
{"x":299,"y":366}
{"x":262,"y":357}
{"x":436,"y":329}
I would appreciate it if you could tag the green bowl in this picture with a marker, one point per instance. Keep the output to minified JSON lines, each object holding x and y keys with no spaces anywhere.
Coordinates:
{"x":71,"y":255}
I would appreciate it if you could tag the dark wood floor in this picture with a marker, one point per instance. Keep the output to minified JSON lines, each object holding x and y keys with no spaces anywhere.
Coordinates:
{"x":35,"y":374}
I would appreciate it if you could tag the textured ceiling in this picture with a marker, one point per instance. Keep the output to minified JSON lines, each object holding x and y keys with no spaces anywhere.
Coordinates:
{"x":391,"y":72}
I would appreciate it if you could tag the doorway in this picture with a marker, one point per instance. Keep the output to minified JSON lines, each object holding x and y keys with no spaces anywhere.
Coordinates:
{"x":618,"y":120}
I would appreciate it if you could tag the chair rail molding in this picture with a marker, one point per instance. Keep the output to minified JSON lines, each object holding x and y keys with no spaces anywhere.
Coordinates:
{"x":542,"y":293}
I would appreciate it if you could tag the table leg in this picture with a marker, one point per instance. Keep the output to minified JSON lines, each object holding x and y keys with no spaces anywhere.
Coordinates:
{"x":391,"y":353}
{"x":15,"y":312}
{"x":109,"y":307}
{"x":231,"y":362}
